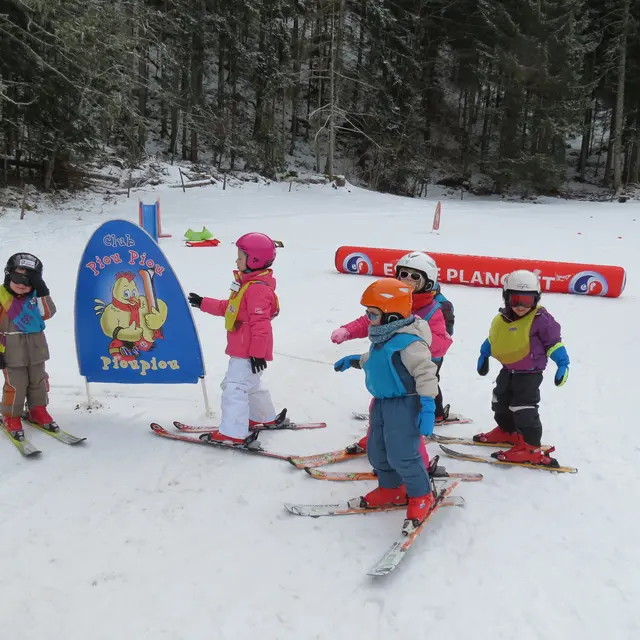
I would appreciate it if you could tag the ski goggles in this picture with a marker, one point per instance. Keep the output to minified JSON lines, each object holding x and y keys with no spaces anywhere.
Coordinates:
{"x":405,"y":275}
{"x":20,"y":278}
{"x":416,"y":277}
{"x":527,"y":300}
{"x":372,"y":315}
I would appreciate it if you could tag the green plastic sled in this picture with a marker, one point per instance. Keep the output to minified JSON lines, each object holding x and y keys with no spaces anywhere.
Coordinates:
{"x":194,"y":236}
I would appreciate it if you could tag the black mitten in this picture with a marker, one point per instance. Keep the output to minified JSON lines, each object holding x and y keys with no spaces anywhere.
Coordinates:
{"x":195,"y":300}
{"x":258,"y":364}
{"x":38,"y":284}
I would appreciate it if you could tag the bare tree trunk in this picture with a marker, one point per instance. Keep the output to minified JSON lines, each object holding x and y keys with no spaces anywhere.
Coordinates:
{"x":586,"y":139}
{"x":185,"y":92}
{"x":356,"y":85}
{"x":142,"y":99}
{"x":164,"y":85}
{"x":320,"y":71}
{"x":234,"y":110}
{"x":484,"y":137}
{"x":634,"y":159}
{"x":606,"y":179}
{"x":296,"y":49}
{"x":335,"y":82}
{"x":328,"y":167}
{"x":173,"y":139}
{"x":197,"y":78}
{"x":622,"y":69}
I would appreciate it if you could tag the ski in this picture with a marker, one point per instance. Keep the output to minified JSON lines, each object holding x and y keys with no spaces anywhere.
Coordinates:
{"x":396,"y":552}
{"x":281,"y":423}
{"x":339,"y":476}
{"x":251,"y":445}
{"x":343,"y":508}
{"x":453,"y":418}
{"x":58,"y":434}
{"x":23,"y":446}
{"x":471,"y":442}
{"x":488,"y":460}
{"x":319,"y":459}
{"x":287,"y":425}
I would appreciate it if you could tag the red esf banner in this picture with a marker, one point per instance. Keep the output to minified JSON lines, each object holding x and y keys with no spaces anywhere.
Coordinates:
{"x":485,"y":271}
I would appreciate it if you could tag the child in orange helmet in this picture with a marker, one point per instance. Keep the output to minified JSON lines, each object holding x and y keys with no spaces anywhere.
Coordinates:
{"x":401,"y":377}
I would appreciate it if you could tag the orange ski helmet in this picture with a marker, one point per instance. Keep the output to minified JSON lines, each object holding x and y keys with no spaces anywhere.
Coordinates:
{"x":391,"y":296}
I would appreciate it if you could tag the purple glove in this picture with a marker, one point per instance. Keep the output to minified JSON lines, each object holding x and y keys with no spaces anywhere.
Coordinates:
{"x":340,"y":335}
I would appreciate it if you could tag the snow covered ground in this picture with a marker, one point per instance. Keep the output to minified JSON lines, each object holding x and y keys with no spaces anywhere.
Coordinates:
{"x":133,"y":536}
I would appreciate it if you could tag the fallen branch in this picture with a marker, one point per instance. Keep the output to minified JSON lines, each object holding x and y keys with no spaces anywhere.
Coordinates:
{"x":199,"y":183}
{"x":95,"y":176}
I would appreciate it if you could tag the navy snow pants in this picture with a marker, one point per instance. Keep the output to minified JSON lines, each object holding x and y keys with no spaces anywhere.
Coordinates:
{"x":393,"y":447}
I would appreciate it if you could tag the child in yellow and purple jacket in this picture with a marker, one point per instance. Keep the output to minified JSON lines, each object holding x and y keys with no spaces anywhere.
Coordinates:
{"x":523,"y":336}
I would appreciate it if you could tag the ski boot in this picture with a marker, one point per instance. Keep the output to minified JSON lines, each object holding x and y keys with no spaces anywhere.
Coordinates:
{"x":279,"y":420}
{"x":13,"y":426}
{"x":418,"y":509}
{"x":358,"y":447}
{"x":498,"y":434}
{"x":250,"y":442}
{"x":216,"y":436}
{"x":381,"y":497}
{"x":522,"y":452}
{"x":435,"y":471}
{"x":445,"y":415}
{"x":40,"y":416}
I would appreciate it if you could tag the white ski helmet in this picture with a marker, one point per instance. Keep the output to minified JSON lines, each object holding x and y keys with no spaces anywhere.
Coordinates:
{"x":423,"y":263}
{"x":521,"y":281}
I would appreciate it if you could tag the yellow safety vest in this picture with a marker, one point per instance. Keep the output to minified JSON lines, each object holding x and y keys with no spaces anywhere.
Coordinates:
{"x":235,"y":300}
{"x":510,"y":340}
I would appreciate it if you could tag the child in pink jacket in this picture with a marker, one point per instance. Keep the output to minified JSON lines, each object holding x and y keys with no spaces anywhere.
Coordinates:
{"x":248,"y":312}
{"x":419,"y":271}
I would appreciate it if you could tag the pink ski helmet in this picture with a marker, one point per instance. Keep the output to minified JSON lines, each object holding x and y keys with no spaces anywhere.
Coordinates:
{"x":260,"y":250}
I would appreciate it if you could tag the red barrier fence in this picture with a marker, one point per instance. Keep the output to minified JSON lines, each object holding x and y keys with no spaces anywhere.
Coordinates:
{"x":485,"y":271}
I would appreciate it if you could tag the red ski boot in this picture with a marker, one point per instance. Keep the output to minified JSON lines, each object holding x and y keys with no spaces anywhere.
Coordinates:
{"x":358,"y":447}
{"x":419,"y":508}
{"x":216,"y":436}
{"x":13,"y":427}
{"x":280,"y":419}
{"x":381,"y":497}
{"x":526,"y":453}
{"x":497,"y":435}
{"x":265,"y":425}
{"x":40,"y":416}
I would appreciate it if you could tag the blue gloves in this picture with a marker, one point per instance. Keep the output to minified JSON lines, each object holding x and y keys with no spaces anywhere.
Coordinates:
{"x":347,"y":363}
{"x":427,"y":417}
{"x":560,"y":356}
{"x":483,"y":360}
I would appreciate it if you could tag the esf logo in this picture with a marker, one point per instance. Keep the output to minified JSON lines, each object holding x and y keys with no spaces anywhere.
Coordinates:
{"x":589,"y":283}
{"x":358,"y":263}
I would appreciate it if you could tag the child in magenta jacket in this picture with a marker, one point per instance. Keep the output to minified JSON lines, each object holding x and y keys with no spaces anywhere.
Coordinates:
{"x":248,"y":312}
{"x":359,"y":328}
{"x":420,"y":272}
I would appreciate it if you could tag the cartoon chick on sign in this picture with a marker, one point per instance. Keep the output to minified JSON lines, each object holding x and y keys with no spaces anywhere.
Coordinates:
{"x":132,"y":321}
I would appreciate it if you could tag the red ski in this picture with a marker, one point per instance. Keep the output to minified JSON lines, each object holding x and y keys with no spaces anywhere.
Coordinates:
{"x":282,"y":423}
{"x":250,"y":445}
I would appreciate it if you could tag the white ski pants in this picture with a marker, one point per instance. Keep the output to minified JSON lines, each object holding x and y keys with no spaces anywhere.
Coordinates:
{"x":244,"y":397}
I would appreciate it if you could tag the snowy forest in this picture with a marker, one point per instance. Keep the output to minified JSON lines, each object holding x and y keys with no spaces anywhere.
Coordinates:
{"x":495,"y":95}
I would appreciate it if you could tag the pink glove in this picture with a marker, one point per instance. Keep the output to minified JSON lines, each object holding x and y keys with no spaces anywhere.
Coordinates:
{"x":340,"y":335}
